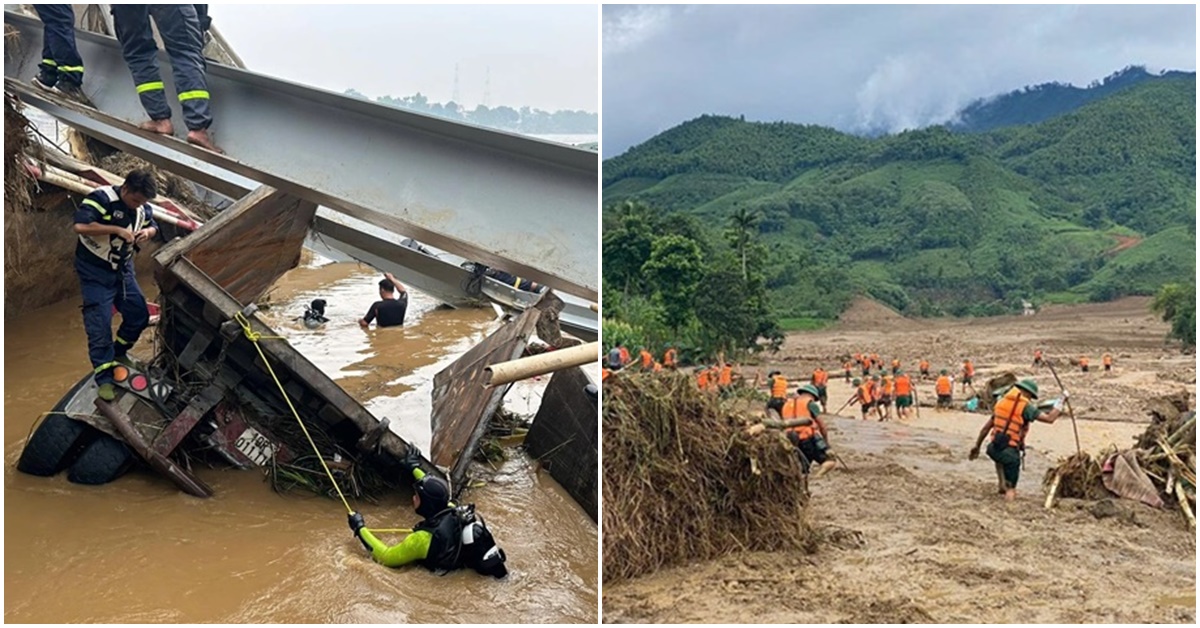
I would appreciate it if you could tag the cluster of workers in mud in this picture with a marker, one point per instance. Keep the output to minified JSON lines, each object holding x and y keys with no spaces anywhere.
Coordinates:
{"x":880,"y":387}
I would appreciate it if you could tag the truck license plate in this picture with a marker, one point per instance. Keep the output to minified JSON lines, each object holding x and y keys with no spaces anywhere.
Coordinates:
{"x":255,"y":447}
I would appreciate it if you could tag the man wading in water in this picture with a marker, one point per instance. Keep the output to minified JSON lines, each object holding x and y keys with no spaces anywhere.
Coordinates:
{"x":1010,"y":421}
{"x":388,"y":311}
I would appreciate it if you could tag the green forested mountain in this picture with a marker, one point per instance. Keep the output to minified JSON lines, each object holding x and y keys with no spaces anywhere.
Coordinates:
{"x":1094,"y":204}
{"x":1042,"y":102}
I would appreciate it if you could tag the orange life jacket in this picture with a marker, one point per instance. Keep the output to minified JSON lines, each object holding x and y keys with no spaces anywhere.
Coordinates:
{"x":726,"y":376}
{"x":865,"y":393}
{"x":604,"y":373}
{"x":797,"y":408}
{"x":1037,"y":355}
{"x":624,"y":356}
{"x":1107,"y":360}
{"x":657,"y":366}
{"x":702,"y":379}
{"x":669,"y":358}
{"x":820,"y":377}
{"x":895,"y":364}
{"x":779,"y":386}
{"x":903,"y":386}
{"x":887,"y":386}
{"x":1008,"y":417}
{"x":848,"y":366}
{"x":924,"y":365}
{"x":969,"y":369}
{"x":647,"y":359}
{"x":875,"y":359}
{"x":943,"y":386}
{"x":1083,"y":361}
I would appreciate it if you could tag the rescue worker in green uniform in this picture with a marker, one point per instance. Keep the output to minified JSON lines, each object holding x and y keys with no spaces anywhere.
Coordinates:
{"x":1011,"y":417}
{"x":448,"y":537}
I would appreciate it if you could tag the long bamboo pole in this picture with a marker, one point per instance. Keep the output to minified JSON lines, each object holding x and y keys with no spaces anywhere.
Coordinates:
{"x":523,"y":368}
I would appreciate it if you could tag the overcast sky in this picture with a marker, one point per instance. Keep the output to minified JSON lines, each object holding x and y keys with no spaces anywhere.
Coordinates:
{"x":541,"y":56}
{"x":856,"y":67}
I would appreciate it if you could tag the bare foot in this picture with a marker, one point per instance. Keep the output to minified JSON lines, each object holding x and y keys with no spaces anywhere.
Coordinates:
{"x":162,"y":127}
{"x":1010,"y":495}
{"x":201,"y":138}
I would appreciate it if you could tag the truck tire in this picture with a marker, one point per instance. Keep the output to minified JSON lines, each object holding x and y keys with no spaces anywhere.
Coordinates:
{"x":54,"y":446}
{"x":105,"y":460}
{"x":57,"y":441}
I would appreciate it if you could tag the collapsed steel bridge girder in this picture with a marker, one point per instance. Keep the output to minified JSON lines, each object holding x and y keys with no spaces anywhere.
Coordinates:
{"x":509,"y":201}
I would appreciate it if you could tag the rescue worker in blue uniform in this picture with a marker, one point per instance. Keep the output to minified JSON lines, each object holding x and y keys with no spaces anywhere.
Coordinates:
{"x":61,"y":68}
{"x":182,"y":36}
{"x":110,"y":222}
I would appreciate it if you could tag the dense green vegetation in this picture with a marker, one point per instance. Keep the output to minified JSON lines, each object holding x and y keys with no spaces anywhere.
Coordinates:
{"x":671,"y":280}
{"x":1091,"y":205}
{"x":1177,"y":305}
{"x":523,"y":120}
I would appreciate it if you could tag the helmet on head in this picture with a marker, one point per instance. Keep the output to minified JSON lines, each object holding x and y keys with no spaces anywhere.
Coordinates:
{"x":809,"y":389}
{"x":1029,"y":386}
{"x":857,"y":382}
{"x":943,"y":371}
{"x":434,"y":494}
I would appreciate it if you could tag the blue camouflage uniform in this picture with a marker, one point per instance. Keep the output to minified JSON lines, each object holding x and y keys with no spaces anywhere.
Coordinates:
{"x":182,"y":36}
{"x":105,"y":268}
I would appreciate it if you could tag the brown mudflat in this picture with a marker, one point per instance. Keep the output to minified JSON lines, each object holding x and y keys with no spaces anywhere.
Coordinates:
{"x":915,"y":532}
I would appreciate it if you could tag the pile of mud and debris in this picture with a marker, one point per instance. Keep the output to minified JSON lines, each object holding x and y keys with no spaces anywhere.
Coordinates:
{"x":683,"y":482}
{"x":1159,"y":471}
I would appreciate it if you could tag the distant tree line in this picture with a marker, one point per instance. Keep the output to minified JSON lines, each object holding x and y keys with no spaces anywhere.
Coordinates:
{"x":521,"y":120}
{"x":674,"y":281}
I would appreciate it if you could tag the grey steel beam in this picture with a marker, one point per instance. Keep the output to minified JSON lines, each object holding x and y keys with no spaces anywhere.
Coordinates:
{"x":510,"y":201}
{"x":442,"y":280}
{"x":352,"y":238}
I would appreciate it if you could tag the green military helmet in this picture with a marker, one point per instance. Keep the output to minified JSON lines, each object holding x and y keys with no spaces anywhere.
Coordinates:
{"x":1029,"y":386}
{"x":944,"y":371}
{"x":810,"y":389}
{"x":874,"y":378}
{"x":857,"y":382}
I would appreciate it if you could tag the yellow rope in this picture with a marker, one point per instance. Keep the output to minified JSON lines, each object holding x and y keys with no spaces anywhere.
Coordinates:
{"x":255,"y":337}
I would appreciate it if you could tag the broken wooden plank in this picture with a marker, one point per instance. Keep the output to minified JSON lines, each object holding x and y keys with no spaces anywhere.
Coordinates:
{"x":182,"y":425}
{"x":564,"y":437}
{"x":247,"y":247}
{"x":462,"y":404}
{"x":184,"y":480}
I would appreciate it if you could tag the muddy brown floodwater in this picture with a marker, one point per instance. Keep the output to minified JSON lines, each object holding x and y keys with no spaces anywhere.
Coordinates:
{"x":138,"y":550}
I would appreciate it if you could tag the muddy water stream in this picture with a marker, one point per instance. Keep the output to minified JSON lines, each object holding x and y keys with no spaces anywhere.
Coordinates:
{"x":137,"y":550}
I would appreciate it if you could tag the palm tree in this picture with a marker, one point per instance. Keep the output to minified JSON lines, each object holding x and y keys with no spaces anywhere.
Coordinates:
{"x":743,"y":224}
